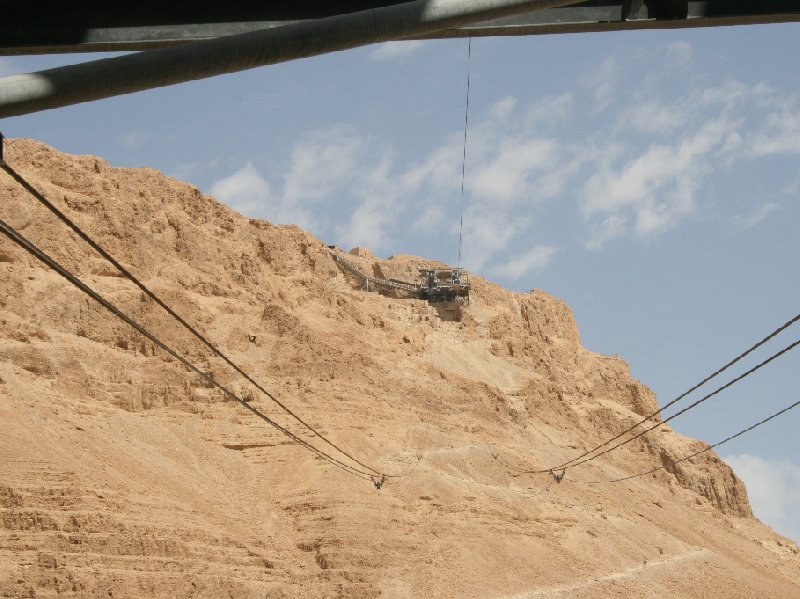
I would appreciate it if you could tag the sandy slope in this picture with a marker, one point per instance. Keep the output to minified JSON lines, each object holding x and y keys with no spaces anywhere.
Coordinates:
{"x":123,"y":475}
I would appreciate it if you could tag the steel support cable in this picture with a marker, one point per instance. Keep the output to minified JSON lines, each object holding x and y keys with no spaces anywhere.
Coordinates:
{"x":408,"y":471}
{"x":722,"y":369}
{"x":684,"y":410}
{"x":464,"y":154}
{"x":17,"y":238}
{"x":710,"y":447}
{"x":130,"y":276}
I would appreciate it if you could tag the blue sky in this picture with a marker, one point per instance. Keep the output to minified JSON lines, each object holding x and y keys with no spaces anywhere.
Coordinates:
{"x":651,"y":179}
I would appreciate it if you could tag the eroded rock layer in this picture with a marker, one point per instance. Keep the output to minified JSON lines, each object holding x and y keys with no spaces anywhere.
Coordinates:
{"x":122,"y":474}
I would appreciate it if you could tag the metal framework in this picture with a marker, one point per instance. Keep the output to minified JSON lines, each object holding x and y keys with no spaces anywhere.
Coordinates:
{"x":51,"y":26}
{"x":443,"y":285}
{"x":435,"y":286}
{"x":184,"y":42}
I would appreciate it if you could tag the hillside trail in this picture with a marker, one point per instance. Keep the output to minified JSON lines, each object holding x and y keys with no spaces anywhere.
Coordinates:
{"x":674,"y":562}
{"x":122,"y":474}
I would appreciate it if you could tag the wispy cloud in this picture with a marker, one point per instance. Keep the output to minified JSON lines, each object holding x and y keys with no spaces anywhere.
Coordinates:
{"x":635,"y":177}
{"x":334,"y":182}
{"x":605,"y":230}
{"x":792,"y":187}
{"x":433,"y":218}
{"x":679,"y":52}
{"x":503,"y":109}
{"x":652,"y":116}
{"x":751,"y":219}
{"x":509,"y":175}
{"x":322,"y":163}
{"x":395,"y":50}
{"x":601,"y":83}
{"x":529,"y":262}
{"x":488,"y":232}
{"x":773,"y":487}
{"x":134,"y":140}
{"x":657,"y":188}
{"x":367,"y":226}
{"x":550,"y":110}
{"x":641,"y":188}
{"x":780,"y":134}
{"x":246,"y":191}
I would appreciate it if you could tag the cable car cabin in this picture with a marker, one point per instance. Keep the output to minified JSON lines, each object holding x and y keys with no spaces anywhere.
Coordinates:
{"x":443,"y":285}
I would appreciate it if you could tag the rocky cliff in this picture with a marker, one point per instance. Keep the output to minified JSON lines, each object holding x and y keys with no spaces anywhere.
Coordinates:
{"x":122,"y":474}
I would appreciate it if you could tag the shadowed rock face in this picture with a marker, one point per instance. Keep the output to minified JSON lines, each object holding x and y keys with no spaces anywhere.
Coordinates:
{"x":121,"y":472}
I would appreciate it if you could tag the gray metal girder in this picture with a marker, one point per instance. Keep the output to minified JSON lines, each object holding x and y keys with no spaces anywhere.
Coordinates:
{"x":50,"y":26}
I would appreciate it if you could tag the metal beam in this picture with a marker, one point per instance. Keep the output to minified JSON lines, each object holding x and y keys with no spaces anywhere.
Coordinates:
{"x":49,"y":26}
{"x":52,"y":26}
{"x":625,"y":15}
{"x":53,"y":88}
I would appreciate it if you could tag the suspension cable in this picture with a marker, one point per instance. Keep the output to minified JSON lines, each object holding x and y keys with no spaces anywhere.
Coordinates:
{"x":684,"y":410}
{"x":710,"y":447}
{"x":464,"y":154}
{"x":130,"y":276}
{"x":722,"y":369}
{"x":27,"y":245}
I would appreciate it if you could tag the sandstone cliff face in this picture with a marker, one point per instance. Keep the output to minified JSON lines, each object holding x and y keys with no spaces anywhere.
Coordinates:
{"x":120,"y":472}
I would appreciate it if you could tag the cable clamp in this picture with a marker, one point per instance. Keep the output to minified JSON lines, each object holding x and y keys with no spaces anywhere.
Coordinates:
{"x":558,"y":477}
{"x":379,"y":482}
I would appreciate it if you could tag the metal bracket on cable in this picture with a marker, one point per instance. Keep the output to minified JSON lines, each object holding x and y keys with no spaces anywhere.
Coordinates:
{"x":558,"y":477}
{"x":379,"y":482}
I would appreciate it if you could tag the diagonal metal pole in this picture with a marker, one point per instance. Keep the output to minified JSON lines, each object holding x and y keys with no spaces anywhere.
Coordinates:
{"x":64,"y":86}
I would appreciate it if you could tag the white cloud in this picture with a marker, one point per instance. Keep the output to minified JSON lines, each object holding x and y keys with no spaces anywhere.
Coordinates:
{"x":550,"y":109}
{"x":335,"y":181}
{"x":395,"y":50}
{"x":134,"y":140}
{"x":726,"y":95}
{"x":366,"y":227}
{"x":610,"y":228}
{"x":792,"y":187}
{"x":488,"y":231}
{"x":529,"y":262}
{"x":626,"y":183}
{"x":658,"y":186}
{"x":502,"y":109}
{"x":441,"y":170}
{"x":323,"y":163}
{"x":432,"y":218}
{"x":245,"y":191}
{"x":654,"y":117}
{"x":679,"y":53}
{"x":780,"y":135}
{"x":601,"y":82}
{"x":508,"y":176}
{"x":751,"y":219}
{"x":773,"y":487}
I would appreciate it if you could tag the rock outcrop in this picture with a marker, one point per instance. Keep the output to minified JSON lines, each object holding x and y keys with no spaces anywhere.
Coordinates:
{"x":123,"y":474}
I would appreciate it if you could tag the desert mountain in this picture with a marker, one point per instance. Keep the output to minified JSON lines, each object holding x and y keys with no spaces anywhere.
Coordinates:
{"x":122,"y":474}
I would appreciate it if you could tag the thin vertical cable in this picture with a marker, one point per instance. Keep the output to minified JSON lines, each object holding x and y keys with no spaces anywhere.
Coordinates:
{"x":464,"y":155}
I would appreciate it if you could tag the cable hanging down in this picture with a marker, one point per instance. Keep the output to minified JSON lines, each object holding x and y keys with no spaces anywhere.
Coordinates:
{"x":684,"y":410}
{"x":710,"y":447}
{"x":464,"y":154}
{"x":28,"y":246}
{"x":752,"y":348}
{"x":215,"y":350}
